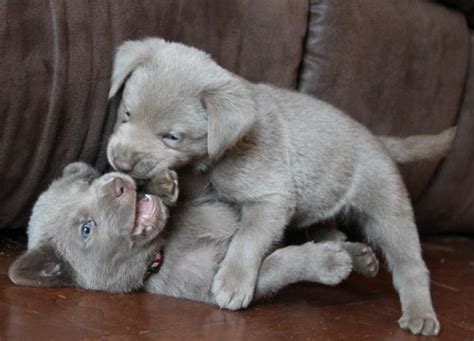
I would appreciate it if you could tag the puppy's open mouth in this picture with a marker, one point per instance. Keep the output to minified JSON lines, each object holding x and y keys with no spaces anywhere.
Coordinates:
{"x":147,"y":213}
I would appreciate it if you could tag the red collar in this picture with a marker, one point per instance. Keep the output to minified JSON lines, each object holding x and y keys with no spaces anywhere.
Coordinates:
{"x":155,"y":265}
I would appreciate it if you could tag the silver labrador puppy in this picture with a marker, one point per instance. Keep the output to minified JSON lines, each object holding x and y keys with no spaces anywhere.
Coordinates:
{"x":95,"y":232}
{"x":282,"y":157}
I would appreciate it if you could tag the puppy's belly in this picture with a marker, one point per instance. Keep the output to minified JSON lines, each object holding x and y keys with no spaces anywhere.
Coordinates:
{"x":316,"y":202}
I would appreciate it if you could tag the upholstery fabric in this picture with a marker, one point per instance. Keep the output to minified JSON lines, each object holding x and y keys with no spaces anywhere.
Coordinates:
{"x":465,"y":6}
{"x":398,"y":67}
{"x":55,"y":68}
{"x":448,"y":204}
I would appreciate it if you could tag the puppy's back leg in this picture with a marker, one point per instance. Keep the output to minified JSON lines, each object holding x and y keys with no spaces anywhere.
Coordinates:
{"x":386,"y":215}
{"x":326,"y":263}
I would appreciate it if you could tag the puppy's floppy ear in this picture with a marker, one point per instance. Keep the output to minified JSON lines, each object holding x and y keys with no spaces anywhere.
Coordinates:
{"x":79,"y":169}
{"x":128,"y":57}
{"x":41,"y":267}
{"x":231,"y":114}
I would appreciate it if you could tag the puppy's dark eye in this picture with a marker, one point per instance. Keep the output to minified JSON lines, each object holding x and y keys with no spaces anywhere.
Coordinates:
{"x":127,"y":113}
{"x":170,"y":136}
{"x":86,"y":228}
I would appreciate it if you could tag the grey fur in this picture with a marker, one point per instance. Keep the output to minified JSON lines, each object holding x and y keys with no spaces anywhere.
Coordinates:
{"x":418,"y":147}
{"x":283,"y":158}
{"x":115,"y":259}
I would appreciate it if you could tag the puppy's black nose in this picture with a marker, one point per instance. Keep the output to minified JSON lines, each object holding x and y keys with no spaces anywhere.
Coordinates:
{"x":124,"y":166}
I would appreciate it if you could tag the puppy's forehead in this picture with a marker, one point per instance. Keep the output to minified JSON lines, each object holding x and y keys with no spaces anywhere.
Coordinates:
{"x":174,"y":70}
{"x":153,"y":82}
{"x":148,"y":96}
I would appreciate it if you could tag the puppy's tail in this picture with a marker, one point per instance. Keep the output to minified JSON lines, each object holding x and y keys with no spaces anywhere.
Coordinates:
{"x":418,"y":147}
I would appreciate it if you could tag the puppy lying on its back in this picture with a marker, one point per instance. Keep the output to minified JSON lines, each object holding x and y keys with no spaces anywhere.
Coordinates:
{"x":94,"y":232}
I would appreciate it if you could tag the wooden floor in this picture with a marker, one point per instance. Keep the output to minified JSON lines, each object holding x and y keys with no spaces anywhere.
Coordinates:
{"x":359,"y":309}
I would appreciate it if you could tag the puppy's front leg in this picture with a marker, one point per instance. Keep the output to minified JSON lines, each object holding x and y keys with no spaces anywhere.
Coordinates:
{"x":262,"y":224}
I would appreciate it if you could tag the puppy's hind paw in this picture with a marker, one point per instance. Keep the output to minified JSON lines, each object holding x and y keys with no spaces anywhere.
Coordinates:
{"x":364,"y":259}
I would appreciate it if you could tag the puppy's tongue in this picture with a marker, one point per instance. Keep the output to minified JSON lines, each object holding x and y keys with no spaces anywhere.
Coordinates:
{"x":147,"y":210}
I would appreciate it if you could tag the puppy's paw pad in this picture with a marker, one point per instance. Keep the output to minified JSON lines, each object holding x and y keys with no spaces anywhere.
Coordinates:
{"x":165,"y":185}
{"x":364,"y":259}
{"x":232,"y":290}
{"x":170,"y":186}
{"x":170,"y":176}
{"x":427,"y":326}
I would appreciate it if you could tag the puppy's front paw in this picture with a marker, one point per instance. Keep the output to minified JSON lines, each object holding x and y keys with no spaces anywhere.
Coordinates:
{"x":424,"y":324}
{"x":363,"y":259}
{"x":330,"y":263}
{"x":165,"y":185}
{"x":233,"y":287}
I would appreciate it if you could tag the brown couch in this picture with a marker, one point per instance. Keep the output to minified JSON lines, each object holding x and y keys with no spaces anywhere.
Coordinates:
{"x":398,"y":66}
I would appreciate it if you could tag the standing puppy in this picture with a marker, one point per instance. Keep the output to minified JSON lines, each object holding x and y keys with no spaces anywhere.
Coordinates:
{"x":283,"y":158}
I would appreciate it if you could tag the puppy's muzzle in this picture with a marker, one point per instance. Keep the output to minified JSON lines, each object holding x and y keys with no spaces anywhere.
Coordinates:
{"x":124,"y":165}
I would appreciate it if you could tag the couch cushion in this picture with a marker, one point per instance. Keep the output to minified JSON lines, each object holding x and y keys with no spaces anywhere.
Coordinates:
{"x":465,"y":6}
{"x":398,"y":67}
{"x":449,"y":202}
{"x":56,"y":59}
